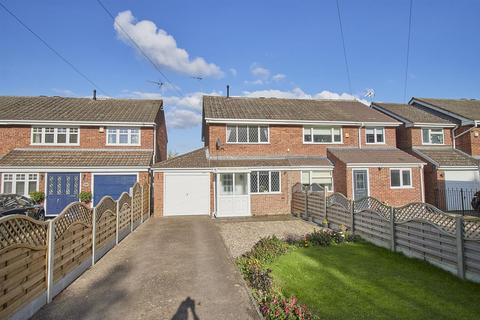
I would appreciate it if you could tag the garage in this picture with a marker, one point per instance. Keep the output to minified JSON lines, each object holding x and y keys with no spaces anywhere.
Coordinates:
{"x":112,"y":185}
{"x":468,"y":180}
{"x":187,"y":193}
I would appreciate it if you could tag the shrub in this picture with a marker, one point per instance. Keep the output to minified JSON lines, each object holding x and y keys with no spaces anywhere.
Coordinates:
{"x":85,"y":196}
{"x":267,"y":249}
{"x":37,"y":197}
{"x":255,"y":274}
{"x":274,"y":306}
{"x":324,"y":238}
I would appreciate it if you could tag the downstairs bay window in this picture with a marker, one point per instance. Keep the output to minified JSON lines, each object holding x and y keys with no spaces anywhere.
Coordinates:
{"x":323,"y":178}
{"x":19,"y":183}
{"x":265,"y":182}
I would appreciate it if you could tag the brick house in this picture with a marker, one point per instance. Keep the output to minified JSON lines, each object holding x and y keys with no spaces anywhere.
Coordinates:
{"x":62,"y":146}
{"x":428,"y":135}
{"x":256,"y":149}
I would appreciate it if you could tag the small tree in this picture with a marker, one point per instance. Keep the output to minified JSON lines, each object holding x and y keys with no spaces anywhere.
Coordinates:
{"x":85,"y":197}
{"x":172,"y":154}
{"x":38,"y":197}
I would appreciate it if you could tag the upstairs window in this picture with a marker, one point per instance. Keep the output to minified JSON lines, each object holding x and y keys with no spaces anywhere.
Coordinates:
{"x":247,"y":134}
{"x":55,"y":135}
{"x":432,"y":136}
{"x":123,"y":136}
{"x":322,"y":135}
{"x":375,"y":135}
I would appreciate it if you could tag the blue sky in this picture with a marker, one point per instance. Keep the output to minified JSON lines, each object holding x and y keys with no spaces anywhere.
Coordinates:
{"x":260,"y":48}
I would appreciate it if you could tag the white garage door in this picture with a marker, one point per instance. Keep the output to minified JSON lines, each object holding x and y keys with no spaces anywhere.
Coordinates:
{"x":468,"y":180}
{"x":187,"y":194}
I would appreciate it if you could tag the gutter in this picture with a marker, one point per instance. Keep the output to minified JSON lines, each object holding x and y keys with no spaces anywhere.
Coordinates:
{"x":453,"y":136}
{"x":471,"y":128}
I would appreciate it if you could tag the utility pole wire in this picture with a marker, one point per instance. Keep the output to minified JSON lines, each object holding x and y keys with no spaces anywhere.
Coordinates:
{"x":71,"y":65}
{"x":344,"y":50}
{"x":408,"y":52}
{"x":139,"y":48}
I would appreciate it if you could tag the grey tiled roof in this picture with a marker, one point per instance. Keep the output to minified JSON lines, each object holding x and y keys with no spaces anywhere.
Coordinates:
{"x":199,"y":159}
{"x":78,"y":109}
{"x":216,"y":107}
{"x":466,"y":108}
{"x":413,"y":114}
{"x":63,"y":158}
{"x":373,"y":155}
{"x":446,"y":157}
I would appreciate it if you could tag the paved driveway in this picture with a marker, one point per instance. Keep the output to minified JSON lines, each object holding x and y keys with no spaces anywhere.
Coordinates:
{"x":169,"y":268}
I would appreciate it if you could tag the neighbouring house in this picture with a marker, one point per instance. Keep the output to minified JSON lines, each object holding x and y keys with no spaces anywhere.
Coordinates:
{"x":256,"y":149}
{"x":62,"y":146}
{"x":428,"y":135}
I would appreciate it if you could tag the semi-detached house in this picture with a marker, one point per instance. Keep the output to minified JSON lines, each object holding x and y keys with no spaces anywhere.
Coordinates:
{"x":63,"y":146}
{"x":256,"y":149}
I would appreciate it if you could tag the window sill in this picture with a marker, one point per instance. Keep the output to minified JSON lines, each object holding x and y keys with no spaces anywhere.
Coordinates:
{"x":55,"y":144}
{"x":122,"y":145}
{"x":323,"y":142}
{"x":247,"y":143}
{"x":408,"y":187}
{"x":265,"y":193}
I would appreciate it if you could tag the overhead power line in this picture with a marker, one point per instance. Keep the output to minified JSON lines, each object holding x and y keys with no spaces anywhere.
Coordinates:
{"x":140,"y":48}
{"x":344,"y":49}
{"x":408,"y":52}
{"x":58,"y":54}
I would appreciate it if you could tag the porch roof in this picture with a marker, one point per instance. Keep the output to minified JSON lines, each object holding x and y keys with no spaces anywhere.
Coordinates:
{"x":446,"y":157}
{"x":77,"y":158}
{"x":200,"y":158}
{"x":373,"y":156}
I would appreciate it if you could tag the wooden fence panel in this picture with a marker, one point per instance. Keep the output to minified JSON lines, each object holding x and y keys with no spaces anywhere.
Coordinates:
{"x":73,"y":241}
{"x":316,"y":206}
{"x":124,"y":215}
{"x":373,"y":227}
{"x":136,"y":205}
{"x":106,"y":226}
{"x":23,"y":261}
{"x":146,"y":201}
{"x":471,"y":251}
{"x":339,"y":210}
{"x":298,"y":203}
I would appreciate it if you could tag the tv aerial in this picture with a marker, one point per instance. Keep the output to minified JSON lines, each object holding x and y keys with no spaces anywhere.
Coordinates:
{"x":158,"y":83}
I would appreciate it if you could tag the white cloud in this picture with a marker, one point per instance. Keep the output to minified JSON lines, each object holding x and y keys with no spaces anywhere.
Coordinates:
{"x":279,"y":77}
{"x":256,"y":82}
{"x":181,"y":118}
{"x":233,"y":71}
{"x":297,"y":93}
{"x":162,"y":47}
{"x":260,"y":72}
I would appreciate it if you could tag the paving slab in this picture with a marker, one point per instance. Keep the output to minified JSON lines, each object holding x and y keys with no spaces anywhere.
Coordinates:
{"x":169,"y":268}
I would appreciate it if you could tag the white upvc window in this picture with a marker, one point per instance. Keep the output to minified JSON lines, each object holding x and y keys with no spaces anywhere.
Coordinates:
{"x":432,"y":136}
{"x":324,"y":135}
{"x":323,"y":178}
{"x":19,"y":183}
{"x":265,"y":182}
{"x":248,"y":133}
{"x":375,"y":135}
{"x":55,"y":136}
{"x":123,"y":136}
{"x":400,"y":178}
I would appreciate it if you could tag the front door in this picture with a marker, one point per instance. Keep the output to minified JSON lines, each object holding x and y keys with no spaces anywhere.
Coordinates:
{"x":360,"y":184}
{"x":62,"y":189}
{"x":233,"y":198}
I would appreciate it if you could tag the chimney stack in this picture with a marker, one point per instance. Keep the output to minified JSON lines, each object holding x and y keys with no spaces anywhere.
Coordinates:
{"x":228,"y":91}
{"x":94,"y":94}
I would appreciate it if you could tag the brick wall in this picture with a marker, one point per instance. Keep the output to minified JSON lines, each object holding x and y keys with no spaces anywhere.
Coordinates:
{"x":90,"y":137}
{"x":434,"y":179}
{"x":274,"y":204}
{"x":161,"y":147}
{"x":339,"y":174}
{"x":469,"y":142}
{"x":410,"y":137}
{"x":285,"y":140}
{"x":158,"y":194}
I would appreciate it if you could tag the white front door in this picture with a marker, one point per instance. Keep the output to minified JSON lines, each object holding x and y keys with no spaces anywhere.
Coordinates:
{"x":186,"y":194}
{"x":233,"y":197}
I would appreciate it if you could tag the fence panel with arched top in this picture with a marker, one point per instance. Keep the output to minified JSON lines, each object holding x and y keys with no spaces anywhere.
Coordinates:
{"x":338,"y":210}
{"x":23,"y":266}
{"x":124,"y":207}
{"x":136,"y":205}
{"x":105,"y":226}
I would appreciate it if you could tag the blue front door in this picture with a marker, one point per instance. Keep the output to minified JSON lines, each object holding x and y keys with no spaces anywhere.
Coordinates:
{"x":62,"y":189}
{"x":112,"y":185}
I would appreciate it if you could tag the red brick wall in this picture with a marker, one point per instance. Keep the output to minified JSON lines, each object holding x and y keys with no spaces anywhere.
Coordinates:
{"x":285,"y":140}
{"x":434,"y":179}
{"x":158,"y":194}
{"x":161,"y":147}
{"x":339,"y":174}
{"x":274,"y":204}
{"x":90,"y":137}
{"x":469,"y":142}
{"x":410,"y":137}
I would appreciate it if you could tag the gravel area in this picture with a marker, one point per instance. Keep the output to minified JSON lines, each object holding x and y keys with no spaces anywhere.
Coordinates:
{"x":240,"y":236}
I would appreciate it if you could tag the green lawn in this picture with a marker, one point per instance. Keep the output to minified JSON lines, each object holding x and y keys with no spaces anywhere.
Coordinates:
{"x":362,"y":281}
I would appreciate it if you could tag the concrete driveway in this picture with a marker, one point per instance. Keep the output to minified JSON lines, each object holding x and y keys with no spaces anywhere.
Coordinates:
{"x":169,"y":268}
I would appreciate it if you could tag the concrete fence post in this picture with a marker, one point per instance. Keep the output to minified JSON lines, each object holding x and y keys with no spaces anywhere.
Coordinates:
{"x":324,"y":204}
{"x":460,"y":253}
{"x":392,"y":227}
{"x":131,"y":209}
{"x":94,"y":233}
{"x":352,"y":221}
{"x":117,"y":223}
{"x":50,"y":258}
